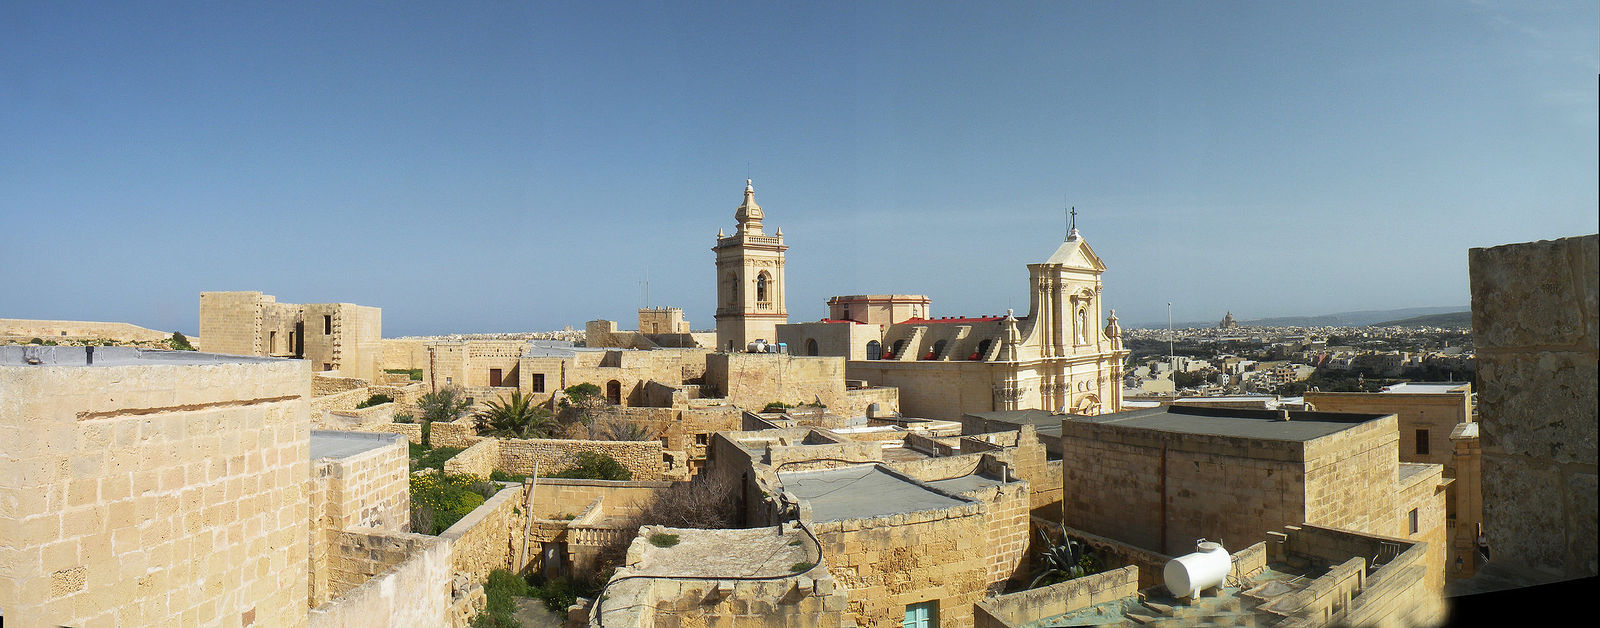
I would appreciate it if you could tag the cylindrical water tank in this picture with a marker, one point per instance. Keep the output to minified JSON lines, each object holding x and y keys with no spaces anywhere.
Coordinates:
{"x":1192,"y":573}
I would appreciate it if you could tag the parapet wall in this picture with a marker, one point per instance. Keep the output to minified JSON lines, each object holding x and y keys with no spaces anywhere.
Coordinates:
{"x":1534,"y":319}
{"x":520,"y":457}
{"x":120,"y":332}
{"x":491,"y":536}
{"x":1022,"y":608}
{"x":389,"y":579}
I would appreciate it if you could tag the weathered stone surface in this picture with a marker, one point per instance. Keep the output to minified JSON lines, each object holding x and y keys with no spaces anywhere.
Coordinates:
{"x":1540,"y":404}
{"x":1581,"y":532}
{"x":1522,"y":510}
{"x":1529,"y":294}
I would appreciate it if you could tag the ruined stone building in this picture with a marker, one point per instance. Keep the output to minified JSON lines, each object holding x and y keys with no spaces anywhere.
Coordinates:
{"x":341,"y":337}
{"x":1059,"y":357}
{"x":1534,"y":319}
{"x":1436,"y":427}
{"x":659,"y":327}
{"x":750,"y":282}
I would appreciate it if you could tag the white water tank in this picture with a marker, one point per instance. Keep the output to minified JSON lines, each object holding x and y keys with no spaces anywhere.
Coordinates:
{"x":1190,"y":574}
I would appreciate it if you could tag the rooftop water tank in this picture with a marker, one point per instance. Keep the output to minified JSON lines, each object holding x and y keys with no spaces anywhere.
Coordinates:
{"x":1190,"y":574}
{"x":759,"y":346}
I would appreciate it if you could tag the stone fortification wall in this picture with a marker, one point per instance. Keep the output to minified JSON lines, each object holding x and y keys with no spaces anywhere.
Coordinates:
{"x":389,"y":579}
{"x":404,"y":353}
{"x":491,"y":536}
{"x":120,"y":332}
{"x":1534,"y":319}
{"x":886,"y":563}
{"x":1025,"y":607}
{"x":125,"y":483}
{"x":462,"y":432}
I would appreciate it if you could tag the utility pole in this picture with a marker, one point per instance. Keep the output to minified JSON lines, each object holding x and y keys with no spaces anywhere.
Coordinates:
{"x":1170,"y":360}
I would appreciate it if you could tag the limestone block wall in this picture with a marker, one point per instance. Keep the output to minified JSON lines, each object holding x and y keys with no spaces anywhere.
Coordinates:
{"x":752,"y":380}
{"x":369,"y":490}
{"x":1420,"y":492}
{"x":1351,"y":478}
{"x":932,"y":390}
{"x":1398,"y":592}
{"x":1025,"y":607}
{"x":230,"y":322}
{"x":1535,"y":324}
{"x":387,"y":579}
{"x":886,"y":563}
{"x":480,"y":459}
{"x":327,"y":384}
{"x":462,"y":432}
{"x":642,"y":458}
{"x":125,"y":483}
{"x":490,"y":536}
{"x":857,"y":400}
{"x":404,"y":353}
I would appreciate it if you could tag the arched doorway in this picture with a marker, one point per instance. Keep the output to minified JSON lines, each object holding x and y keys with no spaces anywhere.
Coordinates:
{"x":614,"y":392}
{"x":811,"y":346}
{"x":874,"y":350}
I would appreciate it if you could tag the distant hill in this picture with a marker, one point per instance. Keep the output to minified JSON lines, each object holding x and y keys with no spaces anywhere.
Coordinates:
{"x":1451,"y":319}
{"x":1360,"y":318}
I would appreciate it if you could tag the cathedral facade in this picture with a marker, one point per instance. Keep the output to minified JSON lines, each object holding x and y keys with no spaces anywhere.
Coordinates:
{"x":1059,"y":357}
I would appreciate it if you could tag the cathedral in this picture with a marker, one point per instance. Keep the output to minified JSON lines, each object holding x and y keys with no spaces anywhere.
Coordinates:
{"x":1059,"y":357}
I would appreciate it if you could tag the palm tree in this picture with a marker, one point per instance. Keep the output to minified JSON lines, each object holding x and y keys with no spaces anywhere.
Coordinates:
{"x":516,"y":417}
{"x":445,"y":404}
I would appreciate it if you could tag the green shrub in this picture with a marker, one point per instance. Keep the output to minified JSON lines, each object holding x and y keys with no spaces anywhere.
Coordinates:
{"x":377,"y":399}
{"x":560,"y":593}
{"x":776,"y":406}
{"x":449,"y":495}
{"x":424,"y":457}
{"x":414,"y":374}
{"x":501,"y":476}
{"x":595,"y":466}
{"x":801,"y":567}
{"x":404,"y":417}
{"x":180,"y":343}
{"x":501,"y":589}
{"x":36,"y":341}
{"x":662,"y":539}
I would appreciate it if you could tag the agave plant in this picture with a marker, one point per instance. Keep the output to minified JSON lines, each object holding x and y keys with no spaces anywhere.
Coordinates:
{"x":1066,"y":560}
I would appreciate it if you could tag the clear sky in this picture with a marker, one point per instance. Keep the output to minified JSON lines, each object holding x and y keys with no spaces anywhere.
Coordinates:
{"x":512,"y":166}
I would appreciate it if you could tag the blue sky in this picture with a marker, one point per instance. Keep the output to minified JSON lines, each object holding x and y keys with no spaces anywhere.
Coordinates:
{"x":523,"y":166}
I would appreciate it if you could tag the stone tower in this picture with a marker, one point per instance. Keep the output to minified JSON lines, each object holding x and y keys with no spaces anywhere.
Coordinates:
{"x":750,"y":302}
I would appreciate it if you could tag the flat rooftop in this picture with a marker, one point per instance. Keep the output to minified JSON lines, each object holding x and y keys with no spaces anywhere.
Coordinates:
{"x":1043,"y":421}
{"x":1426,"y":388}
{"x":965,"y":483}
{"x":1257,"y":424}
{"x":861,"y":492}
{"x":38,"y":355}
{"x":332,"y":444}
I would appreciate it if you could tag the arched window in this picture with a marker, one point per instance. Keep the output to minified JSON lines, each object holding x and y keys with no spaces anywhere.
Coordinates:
{"x":614,"y":392}
{"x":983,"y":350}
{"x":938,"y":349}
{"x":874,"y":350}
{"x":811,"y":346}
{"x":761,"y":286}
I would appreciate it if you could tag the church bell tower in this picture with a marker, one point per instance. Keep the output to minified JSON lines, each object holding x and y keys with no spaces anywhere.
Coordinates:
{"x":750,"y":285}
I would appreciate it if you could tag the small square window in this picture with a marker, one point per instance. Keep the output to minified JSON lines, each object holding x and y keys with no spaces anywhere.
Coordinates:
{"x":538,"y":382}
{"x":701,"y":439}
{"x":1422,"y":442}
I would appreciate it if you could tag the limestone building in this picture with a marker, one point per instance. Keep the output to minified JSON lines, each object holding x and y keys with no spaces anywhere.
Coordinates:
{"x":341,"y":337}
{"x":750,"y":284}
{"x":879,"y":309}
{"x":1159,"y":478}
{"x":1436,"y":427}
{"x":1057,"y":358}
{"x":148,"y":488}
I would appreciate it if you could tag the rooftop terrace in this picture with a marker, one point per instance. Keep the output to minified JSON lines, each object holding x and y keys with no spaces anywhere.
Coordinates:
{"x":1256,"y":424}
{"x":863,"y":491}
{"x":331,"y":444}
{"x":37,"y":355}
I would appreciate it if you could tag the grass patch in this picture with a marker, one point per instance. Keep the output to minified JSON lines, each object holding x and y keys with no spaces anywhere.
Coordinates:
{"x":501,"y":476}
{"x":375,"y":400}
{"x":662,"y":539}
{"x":414,"y":374}
{"x":439,"y":500}
{"x":560,"y":593}
{"x":801,"y":567}
{"x":593,"y":466}
{"x":795,"y":543}
{"x":425,"y":457}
